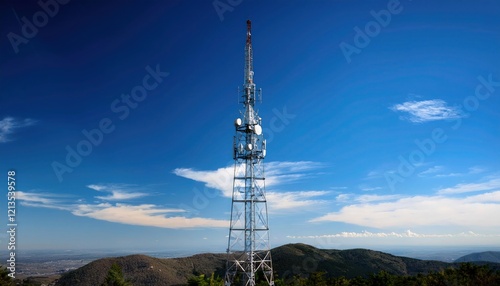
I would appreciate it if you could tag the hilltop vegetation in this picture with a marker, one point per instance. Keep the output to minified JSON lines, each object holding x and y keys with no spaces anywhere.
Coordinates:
{"x":294,"y":264}
{"x":145,"y":270}
{"x":488,"y":256}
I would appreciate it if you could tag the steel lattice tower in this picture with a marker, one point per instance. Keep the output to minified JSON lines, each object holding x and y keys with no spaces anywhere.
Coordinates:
{"x":249,"y":255}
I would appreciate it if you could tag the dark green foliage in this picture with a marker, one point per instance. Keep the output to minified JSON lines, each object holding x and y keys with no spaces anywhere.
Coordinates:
{"x":4,"y":277}
{"x":115,"y":277}
{"x":466,"y":274}
{"x":201,"y":280}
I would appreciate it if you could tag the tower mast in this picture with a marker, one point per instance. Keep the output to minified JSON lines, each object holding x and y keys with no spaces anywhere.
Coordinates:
{"x":248,"y":252}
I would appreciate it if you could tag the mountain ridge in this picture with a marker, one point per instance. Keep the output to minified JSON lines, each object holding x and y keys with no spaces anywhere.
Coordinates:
{"x":288,"y":261}
{"x":485,"y":256}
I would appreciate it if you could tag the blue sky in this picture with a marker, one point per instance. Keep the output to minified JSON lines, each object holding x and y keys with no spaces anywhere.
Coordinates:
{"x":382,"y":121}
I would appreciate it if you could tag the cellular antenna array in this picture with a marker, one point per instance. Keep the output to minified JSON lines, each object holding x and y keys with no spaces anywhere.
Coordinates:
{"x":248,"y":252}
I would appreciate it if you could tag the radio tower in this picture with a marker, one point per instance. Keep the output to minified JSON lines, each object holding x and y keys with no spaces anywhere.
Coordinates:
{"x":248,"y":252}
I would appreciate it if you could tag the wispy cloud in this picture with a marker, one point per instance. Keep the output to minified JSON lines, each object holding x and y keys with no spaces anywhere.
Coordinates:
{"x":141,"y":214}
{"x":440,"y":172}
{"x":343,"y":198}
{"x":406,"y":234}
{"x":44,"y":200}
{"x":431,"y":171}
{"x":493,"y":183}
{"x":277,"y":173}
{"x":9,"y":125}
{"x":144,"y":215}
{"x":367,"y":188}
{"x":474,"y":211}
{"x":376,"y":198}
{"x":295,"y":200}
{"x":300,"y":167}
{"x":476,"y":170}
{"x":428,"y":110}
{"x":118,"y":192}
{"x":374,"y":174}
{"x":346,"y":198}
{"x":220,"y":179}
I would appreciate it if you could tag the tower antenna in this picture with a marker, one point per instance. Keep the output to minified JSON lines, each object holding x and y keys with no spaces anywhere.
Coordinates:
{"x":248,"y":251}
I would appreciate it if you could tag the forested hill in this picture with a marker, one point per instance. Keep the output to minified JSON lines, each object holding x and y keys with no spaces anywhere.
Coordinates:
{"x":289,"y":261}
{"x":488,"y":256}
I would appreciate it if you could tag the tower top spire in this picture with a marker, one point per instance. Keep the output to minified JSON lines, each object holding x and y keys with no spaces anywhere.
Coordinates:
{"x":249,"y":32}
{"x":248,"y":83}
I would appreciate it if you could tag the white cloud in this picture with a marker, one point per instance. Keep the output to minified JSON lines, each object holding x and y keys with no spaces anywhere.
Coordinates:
{"x":431,"y":171}
{"x":406,"y":234}
{"x":144,"y":215}
{"x":345,"y":198}
{"x":438,"y":172}
{"x":428,"y":110}
{"x":375,"y":198}
{"x":96,"y":187}
{"x":450,"y":175}
{"x":277,"y":173}
{"x":473,"y":211}
{"x":277,"y":168}
{"x":294,"y":200}
{"x":476,"y":170}
{"x":220,"y":179}
{"x":374,"y":174}
{"x":118,"y":192}
{"x":472,"y":187}
{"x":342,"y":198}
{"x":9,"y":125}
{"x":367,"y":188}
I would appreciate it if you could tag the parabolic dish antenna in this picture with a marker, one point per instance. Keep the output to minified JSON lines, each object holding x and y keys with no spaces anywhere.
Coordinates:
{"x":237,"y":122}
{"x":257,"y":129}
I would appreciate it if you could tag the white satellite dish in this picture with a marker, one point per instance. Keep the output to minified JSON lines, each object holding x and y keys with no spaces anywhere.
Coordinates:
{"x":249,"y":147}
{"x":264,"y":148}
{"x":237,"y":122}
{"x":257,"y":129}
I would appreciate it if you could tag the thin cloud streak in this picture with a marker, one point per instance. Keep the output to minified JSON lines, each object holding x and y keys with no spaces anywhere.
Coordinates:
{"x":406,"y":234}
{"x":376,"y":198}
{"x":40,"y":200}
{"x":118,"y":192}
{"x":431,"y":171}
